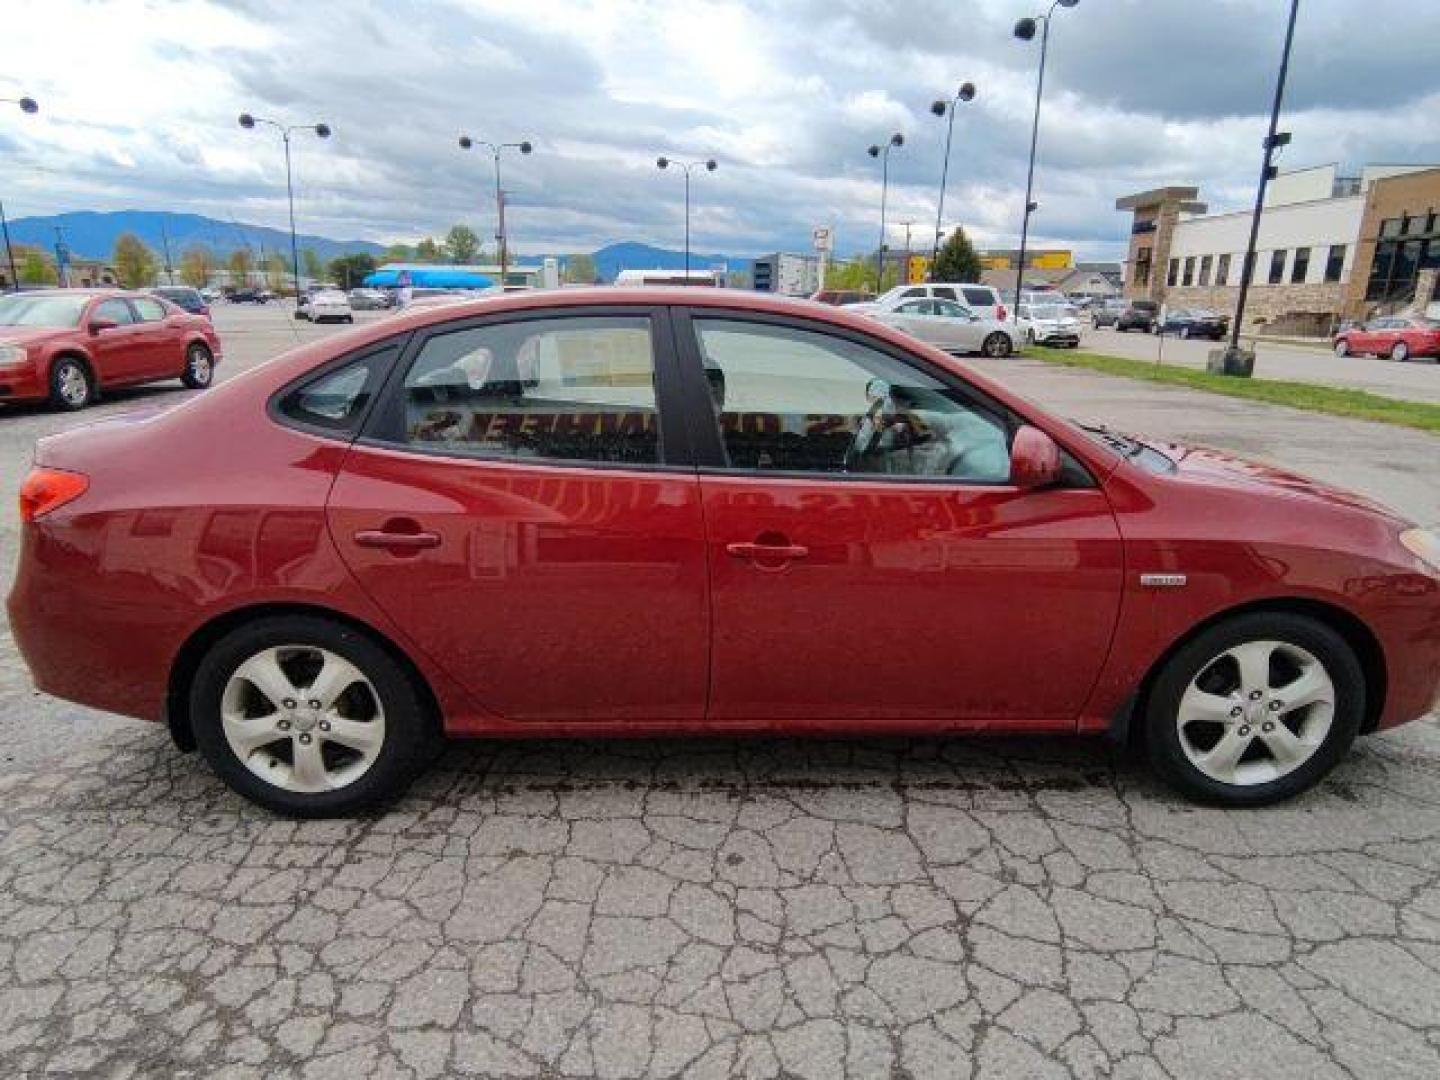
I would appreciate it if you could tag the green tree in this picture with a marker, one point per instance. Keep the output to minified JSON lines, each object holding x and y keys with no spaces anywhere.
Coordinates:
{"x":276,"y":272}
{"x":427,"y":251}
{"x":197,"y":266}
{"x":398,"y":253}
{"x":36,"y":269}
{"x":850,"y":274}
{"x":134,"y":262}
{"x":240,"y":264}
{"x":580,"y":270}
{"x":350,"y":270}
{"x":310,"y":262}
{"x":462,"y":245}
{"x":957,"y":260}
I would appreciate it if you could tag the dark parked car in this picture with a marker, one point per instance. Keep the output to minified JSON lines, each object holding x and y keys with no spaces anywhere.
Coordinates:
{"x":840,"y":297}
{"x":1106,"y":312}
{"x":248,"y":296}
{"x":1138,"y":315}
{"x":1194,"y":322}
{"x":183,"y":297}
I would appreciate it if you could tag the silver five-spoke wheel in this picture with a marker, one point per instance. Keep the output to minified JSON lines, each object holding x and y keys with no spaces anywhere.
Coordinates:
{"x":302,"y":718}
{"x":1257,"y":711}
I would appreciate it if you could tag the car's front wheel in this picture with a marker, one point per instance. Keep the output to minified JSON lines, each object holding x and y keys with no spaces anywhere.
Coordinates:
{"x":199,"y":370}
{"x":308,"y":717}
{"x":71,"y":384}
{"x":1400,"y":352}
{"x":1342,"y":347}
{"x":996,"y":345}
{"x":1255,"y":709}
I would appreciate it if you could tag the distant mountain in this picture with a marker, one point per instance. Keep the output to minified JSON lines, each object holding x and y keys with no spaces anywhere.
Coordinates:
{"x":92,"y":235}
{"x":631,"y":255}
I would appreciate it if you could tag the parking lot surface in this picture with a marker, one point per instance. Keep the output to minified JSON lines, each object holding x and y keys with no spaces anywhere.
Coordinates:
{"x":717,"y":908}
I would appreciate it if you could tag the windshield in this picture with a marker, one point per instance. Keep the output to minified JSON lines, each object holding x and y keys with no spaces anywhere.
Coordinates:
{"x":53,"y":311}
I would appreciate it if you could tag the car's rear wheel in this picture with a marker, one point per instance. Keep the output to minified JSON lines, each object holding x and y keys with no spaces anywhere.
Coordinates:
{"x":1185,"y":332}
{"x":997,"y":345}
{"x":1255,"y":709}
{"x":1342,"y":347}
{"x":199,"y":370}
{"x":71,"y":384}
{"x":1400,"y":351}
{"x":308,"y":717}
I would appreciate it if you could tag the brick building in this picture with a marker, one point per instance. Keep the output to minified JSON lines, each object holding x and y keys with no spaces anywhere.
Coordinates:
{"x":1330,"y":247}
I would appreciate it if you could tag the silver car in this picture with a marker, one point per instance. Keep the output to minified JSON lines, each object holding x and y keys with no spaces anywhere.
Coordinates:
{"x":949,"y":326}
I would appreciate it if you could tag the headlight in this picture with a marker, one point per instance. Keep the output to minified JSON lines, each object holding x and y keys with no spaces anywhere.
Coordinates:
{"x":1424,"y":545}
{"x":11,"y":355}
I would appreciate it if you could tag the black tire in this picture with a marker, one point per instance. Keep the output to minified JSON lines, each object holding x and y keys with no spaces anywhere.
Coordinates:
{"x":1342,"y":347}
{"x":199,"y":371}
{"x":1400,"y":352}
{"x":1185,"y":332}
{"x":72,"y":386}
{"x":997,"y":345}
{"x":410,"y":731}
{"x":1161,"y":731}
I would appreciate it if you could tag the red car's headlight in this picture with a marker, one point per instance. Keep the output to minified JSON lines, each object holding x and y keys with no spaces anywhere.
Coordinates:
{"x":45,"y":490}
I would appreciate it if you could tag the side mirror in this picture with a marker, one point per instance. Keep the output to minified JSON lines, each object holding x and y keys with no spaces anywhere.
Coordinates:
{"x":1034,"y":459}
{"x":96,"y":325}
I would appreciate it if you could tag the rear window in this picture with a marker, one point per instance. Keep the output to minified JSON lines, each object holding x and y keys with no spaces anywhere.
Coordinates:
{"x":336,"y":400}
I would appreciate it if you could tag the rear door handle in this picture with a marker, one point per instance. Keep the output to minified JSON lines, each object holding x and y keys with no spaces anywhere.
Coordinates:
{"x":396,"y":541}
{"x":767,"y":551}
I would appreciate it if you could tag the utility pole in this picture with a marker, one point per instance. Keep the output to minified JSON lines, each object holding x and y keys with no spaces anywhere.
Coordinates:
{"x":62,"y":257}
{"x":905,"y":271}
{"x":9,"y":251}
{"x":165,"y":243}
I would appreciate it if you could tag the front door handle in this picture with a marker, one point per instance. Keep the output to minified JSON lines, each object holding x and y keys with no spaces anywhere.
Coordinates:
{"x":396,"y":540}
{"x":767,"y":551}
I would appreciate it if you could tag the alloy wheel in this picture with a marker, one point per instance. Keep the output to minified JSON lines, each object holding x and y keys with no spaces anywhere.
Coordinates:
{"x":1256,"y":712}
{"x":200,"y":366}
{"x":302,"y":718}
{"x":73,"y":384}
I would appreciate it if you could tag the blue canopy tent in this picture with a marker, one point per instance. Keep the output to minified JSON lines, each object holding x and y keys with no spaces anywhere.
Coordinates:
{"x":427,"y":277}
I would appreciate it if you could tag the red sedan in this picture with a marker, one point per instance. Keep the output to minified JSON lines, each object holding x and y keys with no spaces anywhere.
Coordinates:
{"x":66,"y":345}
{"x":637,"y":511}
{"x":1399,"y":337}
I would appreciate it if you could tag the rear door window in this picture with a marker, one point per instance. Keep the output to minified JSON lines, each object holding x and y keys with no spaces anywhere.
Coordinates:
{"x":944,"y":292}
{"x":979,"y":297}
{"x":117,"y":311}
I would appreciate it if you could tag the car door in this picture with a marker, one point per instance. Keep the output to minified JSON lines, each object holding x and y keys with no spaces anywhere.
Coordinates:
{"x":910,"y":316}
{"x":160,"y":337}
{"x":871,"y":564}
{"x":523,"y":512}
{"x":117,"y":351}
{"x":957,"y":327}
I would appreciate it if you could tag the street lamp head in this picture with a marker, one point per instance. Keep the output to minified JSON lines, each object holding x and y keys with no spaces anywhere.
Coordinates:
{"x":28,"y":105}
{"x":525,"y":147}
{"x":967,"y":91}
{"x":897,"y":139}
{"x":323,"y":130}
{"x":466,"y":142}
{"x":710,"y":165}
{"x":662,"y":162}
{"x":938,"y":107}
{"x":874,"y":151}
{"x":247,"y":121}
{"x":1025,"y":29}
{"x":1067,"y":3}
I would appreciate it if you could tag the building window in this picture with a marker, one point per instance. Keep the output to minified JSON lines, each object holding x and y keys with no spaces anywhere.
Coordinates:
{"x":1277,"y":267}
{"x":1174,"y":272}
{"x":1189,"y":270}
{"x":1394,"y":270}
{"x":1413,"y":226}
{"x":1335,"y":263}
{"x":1222,"y":270}
{"x":1142,"y":266}
{"x":1390,"y":227}
{"x":1205,"y":262}
{"x":1301,"y":266}
{"x":1431,"y":259}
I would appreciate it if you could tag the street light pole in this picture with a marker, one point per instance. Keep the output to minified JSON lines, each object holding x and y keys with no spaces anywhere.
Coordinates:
{"x":1273,"y":141}
{"x":501,"y":242}
{"x":29,"y":107}
{"x":685,"y":167}
{"x":875,"y":151}
{"x":1025,"y":31}
{"x":322,"y":130}
{"x":941,"y":108}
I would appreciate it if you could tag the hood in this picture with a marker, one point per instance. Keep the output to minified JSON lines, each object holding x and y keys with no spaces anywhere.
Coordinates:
{"x":1217,"y":467}
{"x":34,"y":335}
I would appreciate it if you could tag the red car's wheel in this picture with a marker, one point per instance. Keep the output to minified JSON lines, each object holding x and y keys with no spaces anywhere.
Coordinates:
{"x":71,"y":384}
{"x":1342,"y":347}
{"x":199,"y":367}
{"x":1400,"y":352}
{"x":1254,"y":710}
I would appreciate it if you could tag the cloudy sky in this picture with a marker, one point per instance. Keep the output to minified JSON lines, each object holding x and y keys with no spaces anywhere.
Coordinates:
{"x":139,"y":99}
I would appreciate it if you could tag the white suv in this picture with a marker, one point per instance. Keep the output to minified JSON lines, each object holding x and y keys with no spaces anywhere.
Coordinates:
{"x":981,"y":299}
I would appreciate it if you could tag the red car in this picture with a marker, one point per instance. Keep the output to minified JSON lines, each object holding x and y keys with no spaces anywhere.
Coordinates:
{"x":640,"y":511}
{"x":66,"y":345}
{"x":1398,"y":337}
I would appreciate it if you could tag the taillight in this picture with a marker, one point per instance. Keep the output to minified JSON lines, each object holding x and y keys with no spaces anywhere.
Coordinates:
{"x":49,"y":489}
{"x":1000,"y":312}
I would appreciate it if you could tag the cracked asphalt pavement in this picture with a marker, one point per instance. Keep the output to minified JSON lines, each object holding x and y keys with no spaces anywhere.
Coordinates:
{"x":725,"y":907}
